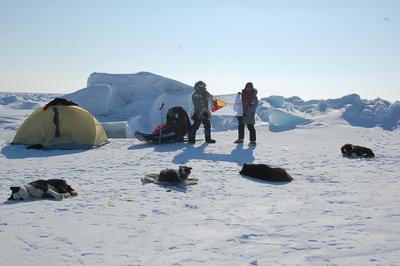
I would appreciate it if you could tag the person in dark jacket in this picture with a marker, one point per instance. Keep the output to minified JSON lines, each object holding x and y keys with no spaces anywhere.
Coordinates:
{"x":249,"y":104}
{"x":201,"y":114}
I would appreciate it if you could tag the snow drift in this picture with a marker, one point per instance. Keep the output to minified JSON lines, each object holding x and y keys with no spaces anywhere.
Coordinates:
{"x":136,"y":98}
{"x":287,"y":113}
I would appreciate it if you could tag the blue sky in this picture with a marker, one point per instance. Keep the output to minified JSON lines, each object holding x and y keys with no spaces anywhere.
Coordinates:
{"x":312,"y":49}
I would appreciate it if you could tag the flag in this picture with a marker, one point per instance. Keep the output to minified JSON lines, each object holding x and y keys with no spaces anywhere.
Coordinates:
{"x":228,"y":104}
{"x":216,"y":104}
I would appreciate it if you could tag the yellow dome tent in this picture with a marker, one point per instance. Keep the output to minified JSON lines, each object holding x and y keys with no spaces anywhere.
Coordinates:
{"x":61,"y":127}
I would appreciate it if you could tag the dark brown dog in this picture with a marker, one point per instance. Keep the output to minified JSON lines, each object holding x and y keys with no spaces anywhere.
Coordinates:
{"x":178,"y":118}
{"x":264,"y":172}
{"x":354,"y":151}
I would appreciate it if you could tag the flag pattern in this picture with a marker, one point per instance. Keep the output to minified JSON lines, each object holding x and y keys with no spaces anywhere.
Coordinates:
{"x":216,"y":104}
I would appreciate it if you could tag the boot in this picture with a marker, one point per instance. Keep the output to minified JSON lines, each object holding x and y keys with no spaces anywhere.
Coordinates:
{"x":192,"y":137}
{"x":207,"y":133}
{"x":210,"y":140}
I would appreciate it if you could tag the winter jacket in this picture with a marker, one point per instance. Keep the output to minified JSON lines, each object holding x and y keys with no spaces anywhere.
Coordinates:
{"x":200,"y":100}
{"x":249,"y":103}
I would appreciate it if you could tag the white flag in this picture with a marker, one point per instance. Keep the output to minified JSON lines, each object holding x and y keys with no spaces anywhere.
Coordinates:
{"x":228,"y":104}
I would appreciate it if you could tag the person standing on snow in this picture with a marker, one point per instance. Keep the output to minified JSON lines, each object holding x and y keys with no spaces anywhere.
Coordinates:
{"x":201,"y":114}
{"x":249,"y":104}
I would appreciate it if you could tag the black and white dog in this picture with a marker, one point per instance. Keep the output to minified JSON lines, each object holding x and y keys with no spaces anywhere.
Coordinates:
{"x":264,"y":172}
{"x":349,"y":150}
{"x":172,"y":177}
{"x":51,"y":189}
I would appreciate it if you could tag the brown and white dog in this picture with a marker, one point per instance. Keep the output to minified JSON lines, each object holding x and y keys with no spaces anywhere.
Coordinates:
{"x":173,"y":177}
{"x":349,"y":150}
{"x":51,"y":189}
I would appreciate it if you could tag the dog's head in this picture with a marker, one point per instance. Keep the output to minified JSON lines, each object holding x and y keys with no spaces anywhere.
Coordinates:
{"x":172,"y":114}
{"x":19,"y":193}
{"x":244,"y":169}
{"x":347,"y":149}
{"x":184,"y":172}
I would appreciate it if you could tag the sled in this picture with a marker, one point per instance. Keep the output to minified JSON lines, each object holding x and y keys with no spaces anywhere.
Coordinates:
{"x":177,"y":126}
{"x":161,"y":135}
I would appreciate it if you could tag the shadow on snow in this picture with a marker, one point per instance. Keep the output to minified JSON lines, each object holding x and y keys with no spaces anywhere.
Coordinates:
{"x":264,"y":181}
{"x":239,"y":155}
{"x":21,"y":152}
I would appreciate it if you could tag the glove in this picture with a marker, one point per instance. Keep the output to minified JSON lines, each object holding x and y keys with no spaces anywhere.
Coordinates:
{"x":206,"y":115}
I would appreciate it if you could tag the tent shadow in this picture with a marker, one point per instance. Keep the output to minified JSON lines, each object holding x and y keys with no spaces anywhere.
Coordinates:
{"x":21,"y":152}
{"x":239,"y":155}
{"x":264,"y":181}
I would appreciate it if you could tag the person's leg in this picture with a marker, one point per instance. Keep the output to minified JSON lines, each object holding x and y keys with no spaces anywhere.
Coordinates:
{"x":240,"y":130}
{"x":252,"y":131}
{"x":241,"y":127}
{"x":189,"y":130}
{"x":207,"y":131}
{"x":194,"y":128}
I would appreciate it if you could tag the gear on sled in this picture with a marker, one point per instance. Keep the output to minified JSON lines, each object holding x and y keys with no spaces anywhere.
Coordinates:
{"x":174,"y":130}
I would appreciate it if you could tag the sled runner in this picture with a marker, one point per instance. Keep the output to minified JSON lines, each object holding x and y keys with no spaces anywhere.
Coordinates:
{"x":168,"y":134}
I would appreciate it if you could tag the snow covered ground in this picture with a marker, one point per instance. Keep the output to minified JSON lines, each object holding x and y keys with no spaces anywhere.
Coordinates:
{"x":337,"y":211}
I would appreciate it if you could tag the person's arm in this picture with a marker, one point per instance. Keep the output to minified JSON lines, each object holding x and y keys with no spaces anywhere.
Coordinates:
{"x":195,"y":101}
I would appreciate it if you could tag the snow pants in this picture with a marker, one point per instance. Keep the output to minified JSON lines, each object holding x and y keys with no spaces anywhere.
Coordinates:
{"x":250,"y":127}
{"x":196,"y":125}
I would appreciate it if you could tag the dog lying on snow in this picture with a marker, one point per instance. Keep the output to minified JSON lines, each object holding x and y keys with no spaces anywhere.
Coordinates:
{"x":349,"y":150}
{"x":172,"y":177}
{"x":264,"y":172}
{"x":43,"y":189}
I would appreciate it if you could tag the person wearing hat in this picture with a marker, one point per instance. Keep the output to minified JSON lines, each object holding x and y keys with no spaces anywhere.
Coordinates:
{"x":249,"y":104}
{"x":201,"y":114}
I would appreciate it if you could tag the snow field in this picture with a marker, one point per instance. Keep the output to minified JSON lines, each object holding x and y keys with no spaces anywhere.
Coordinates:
{"x":336,"y":211}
